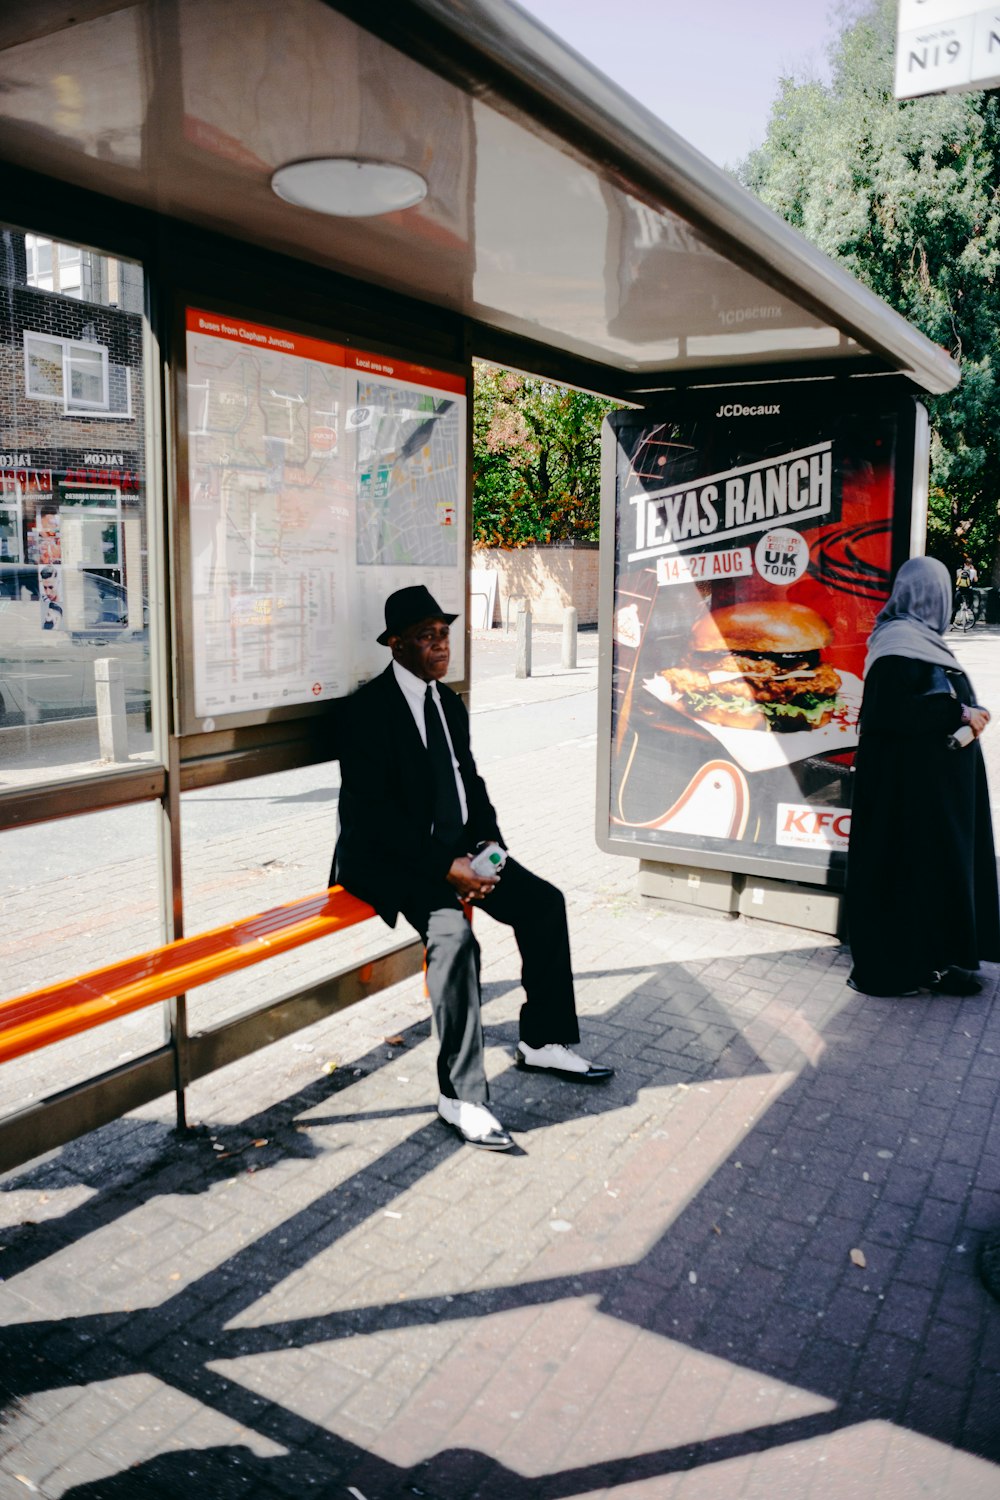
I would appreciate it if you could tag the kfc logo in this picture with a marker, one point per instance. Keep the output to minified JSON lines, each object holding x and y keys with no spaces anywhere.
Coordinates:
{"x":805,"y":827}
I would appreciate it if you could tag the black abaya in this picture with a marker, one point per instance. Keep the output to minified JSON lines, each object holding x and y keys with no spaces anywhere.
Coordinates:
{"x":921,"y":875}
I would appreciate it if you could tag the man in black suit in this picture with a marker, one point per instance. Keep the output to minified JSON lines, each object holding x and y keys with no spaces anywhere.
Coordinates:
{"x":413,"y":809}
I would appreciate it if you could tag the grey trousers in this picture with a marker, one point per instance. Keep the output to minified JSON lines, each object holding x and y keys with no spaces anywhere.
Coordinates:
{"x":536,"y":912}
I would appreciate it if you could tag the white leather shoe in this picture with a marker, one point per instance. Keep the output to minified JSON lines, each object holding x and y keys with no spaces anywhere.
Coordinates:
{"x":474,"y":1123}
{"x":562,"y":1061}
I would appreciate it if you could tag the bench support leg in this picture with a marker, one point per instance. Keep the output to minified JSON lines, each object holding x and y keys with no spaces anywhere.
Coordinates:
{"x":178,"y":1041}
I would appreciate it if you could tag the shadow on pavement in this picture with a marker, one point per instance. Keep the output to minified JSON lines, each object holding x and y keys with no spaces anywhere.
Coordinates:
{"x":829,"y":1244}
{"x":316,"y":794}
{"x":229,"y":1473}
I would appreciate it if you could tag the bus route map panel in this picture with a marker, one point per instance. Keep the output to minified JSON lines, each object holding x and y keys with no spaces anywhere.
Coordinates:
{"x":321,"y":478}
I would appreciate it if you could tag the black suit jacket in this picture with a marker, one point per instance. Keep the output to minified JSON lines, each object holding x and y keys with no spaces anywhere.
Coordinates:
{"x":385,"y":849}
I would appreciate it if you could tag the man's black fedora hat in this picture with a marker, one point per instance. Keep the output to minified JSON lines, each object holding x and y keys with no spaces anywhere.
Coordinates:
{"x":408,"y":607}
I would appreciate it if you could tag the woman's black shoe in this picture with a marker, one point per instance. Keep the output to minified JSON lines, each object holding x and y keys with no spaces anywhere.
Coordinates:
{"x":952,"y":981}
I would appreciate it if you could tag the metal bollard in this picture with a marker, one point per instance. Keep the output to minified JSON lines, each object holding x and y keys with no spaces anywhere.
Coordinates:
{"x":522,"y":661}
{"x":569,"y":637}
{"x":112,"y":726}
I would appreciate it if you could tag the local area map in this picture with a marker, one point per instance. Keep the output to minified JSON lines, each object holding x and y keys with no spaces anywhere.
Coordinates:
{"x":314,"y":489}
{"x":408,"y":476}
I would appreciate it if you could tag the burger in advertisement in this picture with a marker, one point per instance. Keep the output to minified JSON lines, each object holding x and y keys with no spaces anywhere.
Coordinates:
{"x":758,"y":666}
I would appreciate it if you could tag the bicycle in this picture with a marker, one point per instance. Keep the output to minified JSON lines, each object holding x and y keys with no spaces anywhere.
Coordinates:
{"x":966,"y":611}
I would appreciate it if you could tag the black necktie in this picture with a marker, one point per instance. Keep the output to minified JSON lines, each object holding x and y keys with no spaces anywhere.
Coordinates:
{"x":447,"y":808}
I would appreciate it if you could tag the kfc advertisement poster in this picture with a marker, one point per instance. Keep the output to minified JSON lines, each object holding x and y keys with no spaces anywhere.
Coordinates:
{"x":754,"y":546}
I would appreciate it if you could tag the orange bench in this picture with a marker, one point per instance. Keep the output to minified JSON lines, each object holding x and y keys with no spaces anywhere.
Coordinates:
{"x":61,"y":1010}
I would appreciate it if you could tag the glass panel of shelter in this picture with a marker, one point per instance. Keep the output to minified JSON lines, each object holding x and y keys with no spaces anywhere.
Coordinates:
{"x":73,"y":518}
{"x":77,"y":892}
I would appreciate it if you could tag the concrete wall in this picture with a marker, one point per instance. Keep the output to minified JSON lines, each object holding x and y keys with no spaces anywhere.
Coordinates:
{"x":550,"y":578}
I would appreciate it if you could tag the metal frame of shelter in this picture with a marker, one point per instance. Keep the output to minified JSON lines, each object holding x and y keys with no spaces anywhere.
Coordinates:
{"x":177,"y":210}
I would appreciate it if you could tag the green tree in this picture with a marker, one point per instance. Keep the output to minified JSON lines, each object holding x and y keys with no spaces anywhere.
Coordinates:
{"x":905,"y":194}
{"x":536,"y":460}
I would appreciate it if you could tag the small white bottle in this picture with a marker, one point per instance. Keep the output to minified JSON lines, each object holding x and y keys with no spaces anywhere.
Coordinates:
{"x":489,"y":860}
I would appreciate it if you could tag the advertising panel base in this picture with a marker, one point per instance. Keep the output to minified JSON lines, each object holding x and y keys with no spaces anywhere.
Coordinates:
{"x":731,"y":895}
{"x":709,"y":890}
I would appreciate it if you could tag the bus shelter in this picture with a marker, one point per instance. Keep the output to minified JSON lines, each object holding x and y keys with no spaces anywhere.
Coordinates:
{"x":249,"y":253}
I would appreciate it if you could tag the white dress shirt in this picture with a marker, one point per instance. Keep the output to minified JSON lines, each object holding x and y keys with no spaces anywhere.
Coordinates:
{"x":414,"y":691}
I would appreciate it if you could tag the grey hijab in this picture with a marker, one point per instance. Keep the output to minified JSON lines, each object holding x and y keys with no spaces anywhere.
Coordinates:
{"x":916,"y":616}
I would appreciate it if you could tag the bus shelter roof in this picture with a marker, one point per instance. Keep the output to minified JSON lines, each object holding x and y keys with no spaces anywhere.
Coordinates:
{"x":558,"y":211}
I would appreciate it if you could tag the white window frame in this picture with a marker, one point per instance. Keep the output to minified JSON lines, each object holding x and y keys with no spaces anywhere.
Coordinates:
{"x":76,"y":408}
{"x":70,"y":407}
{"x":47,"y":338}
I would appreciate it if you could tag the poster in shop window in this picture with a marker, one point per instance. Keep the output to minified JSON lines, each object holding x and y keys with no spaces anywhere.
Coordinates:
{"x":321,"y":479}
{"x":755,"y":536}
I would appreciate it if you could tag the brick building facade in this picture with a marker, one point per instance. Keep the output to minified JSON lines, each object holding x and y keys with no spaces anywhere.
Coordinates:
{"x":72,"y":421}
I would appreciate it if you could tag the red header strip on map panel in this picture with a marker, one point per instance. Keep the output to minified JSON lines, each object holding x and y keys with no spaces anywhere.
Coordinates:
{"x":398,"y":369}
{"x":304,"y":346}
{"x":259,"y":336}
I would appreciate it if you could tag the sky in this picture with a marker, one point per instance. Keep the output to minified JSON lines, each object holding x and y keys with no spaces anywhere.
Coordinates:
{"x":709,"y":68}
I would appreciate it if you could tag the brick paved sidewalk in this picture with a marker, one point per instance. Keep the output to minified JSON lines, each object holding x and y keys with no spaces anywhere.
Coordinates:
{"x":747,"y":1267}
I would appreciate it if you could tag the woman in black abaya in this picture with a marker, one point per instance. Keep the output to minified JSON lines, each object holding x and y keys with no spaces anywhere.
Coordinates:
{"x":922,"y":904}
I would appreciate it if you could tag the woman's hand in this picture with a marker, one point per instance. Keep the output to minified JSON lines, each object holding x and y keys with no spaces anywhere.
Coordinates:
{"x":978,"y":720}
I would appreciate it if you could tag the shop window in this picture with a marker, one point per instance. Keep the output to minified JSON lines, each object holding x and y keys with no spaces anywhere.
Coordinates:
{"x":10,"y":532}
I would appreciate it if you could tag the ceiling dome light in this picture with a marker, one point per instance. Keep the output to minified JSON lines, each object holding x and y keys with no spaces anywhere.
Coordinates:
{"x":348,"y":188}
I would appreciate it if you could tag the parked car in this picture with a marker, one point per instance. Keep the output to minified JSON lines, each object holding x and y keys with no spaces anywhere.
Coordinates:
{"x":47,"y":652}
